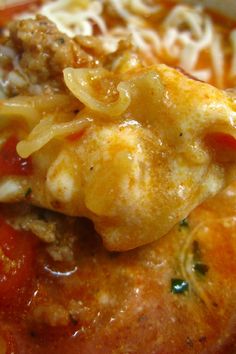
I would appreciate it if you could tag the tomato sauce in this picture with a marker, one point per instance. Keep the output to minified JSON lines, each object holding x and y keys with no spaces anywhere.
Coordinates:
{"x":11,"y":163}
{"x":100,"y":302}
{"x":16,"y":263}
{"x":7,"y":13}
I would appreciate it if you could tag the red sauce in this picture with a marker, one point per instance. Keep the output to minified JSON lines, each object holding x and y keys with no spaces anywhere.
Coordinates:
{"x":17,"y":252}
{"x":8,"y":12}
{"x":11,"y":163}
{"x":103,"y":302}
{"x":8,"y":341}
{"x":17,"y":269}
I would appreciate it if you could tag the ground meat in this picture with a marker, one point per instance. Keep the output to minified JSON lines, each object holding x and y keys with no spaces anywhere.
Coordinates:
{"x":58,"y":231}
{"x":42,"y":52}
{"x":62,"y":249}
{"x":55,"y":315}
{"x":43,"y":229}
{"x":34,"y":53}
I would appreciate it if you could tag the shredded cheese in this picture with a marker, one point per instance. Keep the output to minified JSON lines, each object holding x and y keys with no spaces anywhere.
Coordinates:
{"x":11,"y":190}
{"x":184,"y":33}
{"x":218,"y":59}
{"x":188,"y":44}
{"x":75,"y":20}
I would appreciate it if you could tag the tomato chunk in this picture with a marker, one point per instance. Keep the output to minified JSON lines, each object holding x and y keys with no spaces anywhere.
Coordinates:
{"x":7,"y":12}
{"x":225,"y":141}
{"x":17,"y":253}
{"x":224,"y":146}
{"x":11,"y":163}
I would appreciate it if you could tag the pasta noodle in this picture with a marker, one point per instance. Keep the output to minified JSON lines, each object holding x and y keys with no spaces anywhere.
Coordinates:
{"x":46,"y":130}
{"x":78,"y":81}
{"x":42,"y":129}
{"x":31,"y":108}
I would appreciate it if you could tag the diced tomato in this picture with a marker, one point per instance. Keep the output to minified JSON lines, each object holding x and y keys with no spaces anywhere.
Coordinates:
{"x":11,"y":163}
{"x":7,"y":12}
{"x":224,"y":146}
{"x":17,"y":253}
{"x":224,"y":140}
{"x":76,"y":136}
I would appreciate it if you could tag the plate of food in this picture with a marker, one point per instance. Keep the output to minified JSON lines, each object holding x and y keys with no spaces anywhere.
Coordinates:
{"x":117,"y":177}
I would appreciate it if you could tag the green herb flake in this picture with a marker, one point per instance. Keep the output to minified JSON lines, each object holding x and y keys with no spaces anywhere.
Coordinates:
{"x":179,"y":286}
{"x":28,"y":193}
{"x":184,"y":223}
{"x":73,"y":320}
{"x":60,"y":40}
{"x":200,"y":268}
{"x":197,"y":253}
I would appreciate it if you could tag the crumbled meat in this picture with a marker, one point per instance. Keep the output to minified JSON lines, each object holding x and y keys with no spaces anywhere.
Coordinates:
{"x":58,"y":231}
{"x":56,"y":315}
{"x":43,"y":229}
{"x":34,"y":53}
{"x":52,"y":315}
{"x":62,"y":249}
{"x":77,"y":311}
{"x":42,"y":52}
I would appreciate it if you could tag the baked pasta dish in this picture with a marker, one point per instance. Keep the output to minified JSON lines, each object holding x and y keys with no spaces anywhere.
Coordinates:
{"x":117,"y":177}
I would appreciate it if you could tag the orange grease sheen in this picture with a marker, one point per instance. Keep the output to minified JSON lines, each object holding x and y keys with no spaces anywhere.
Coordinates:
{"x":11,"y":163}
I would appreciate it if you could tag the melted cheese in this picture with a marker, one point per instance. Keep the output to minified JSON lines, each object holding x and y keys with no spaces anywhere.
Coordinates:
{"x":11,"y":190}
{"x":129,"y":172}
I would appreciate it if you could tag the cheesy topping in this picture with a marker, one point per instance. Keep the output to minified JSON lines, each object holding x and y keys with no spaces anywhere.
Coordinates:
{"x":182,"y":33}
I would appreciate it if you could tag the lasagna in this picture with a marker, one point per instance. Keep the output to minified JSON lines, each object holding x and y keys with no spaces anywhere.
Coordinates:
{"x":117,"y":178}
{"x":133,"y":148}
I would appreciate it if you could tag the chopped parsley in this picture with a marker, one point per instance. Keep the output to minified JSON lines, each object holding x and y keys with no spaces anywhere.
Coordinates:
{"x":60,"y":40}
{"x":28,"y":193}
{"x":179,"y":286}
{"x":73,"y":320}
{"x":184,"y":223}
{"x":200,"y":268}
{"x":197,"y":254}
